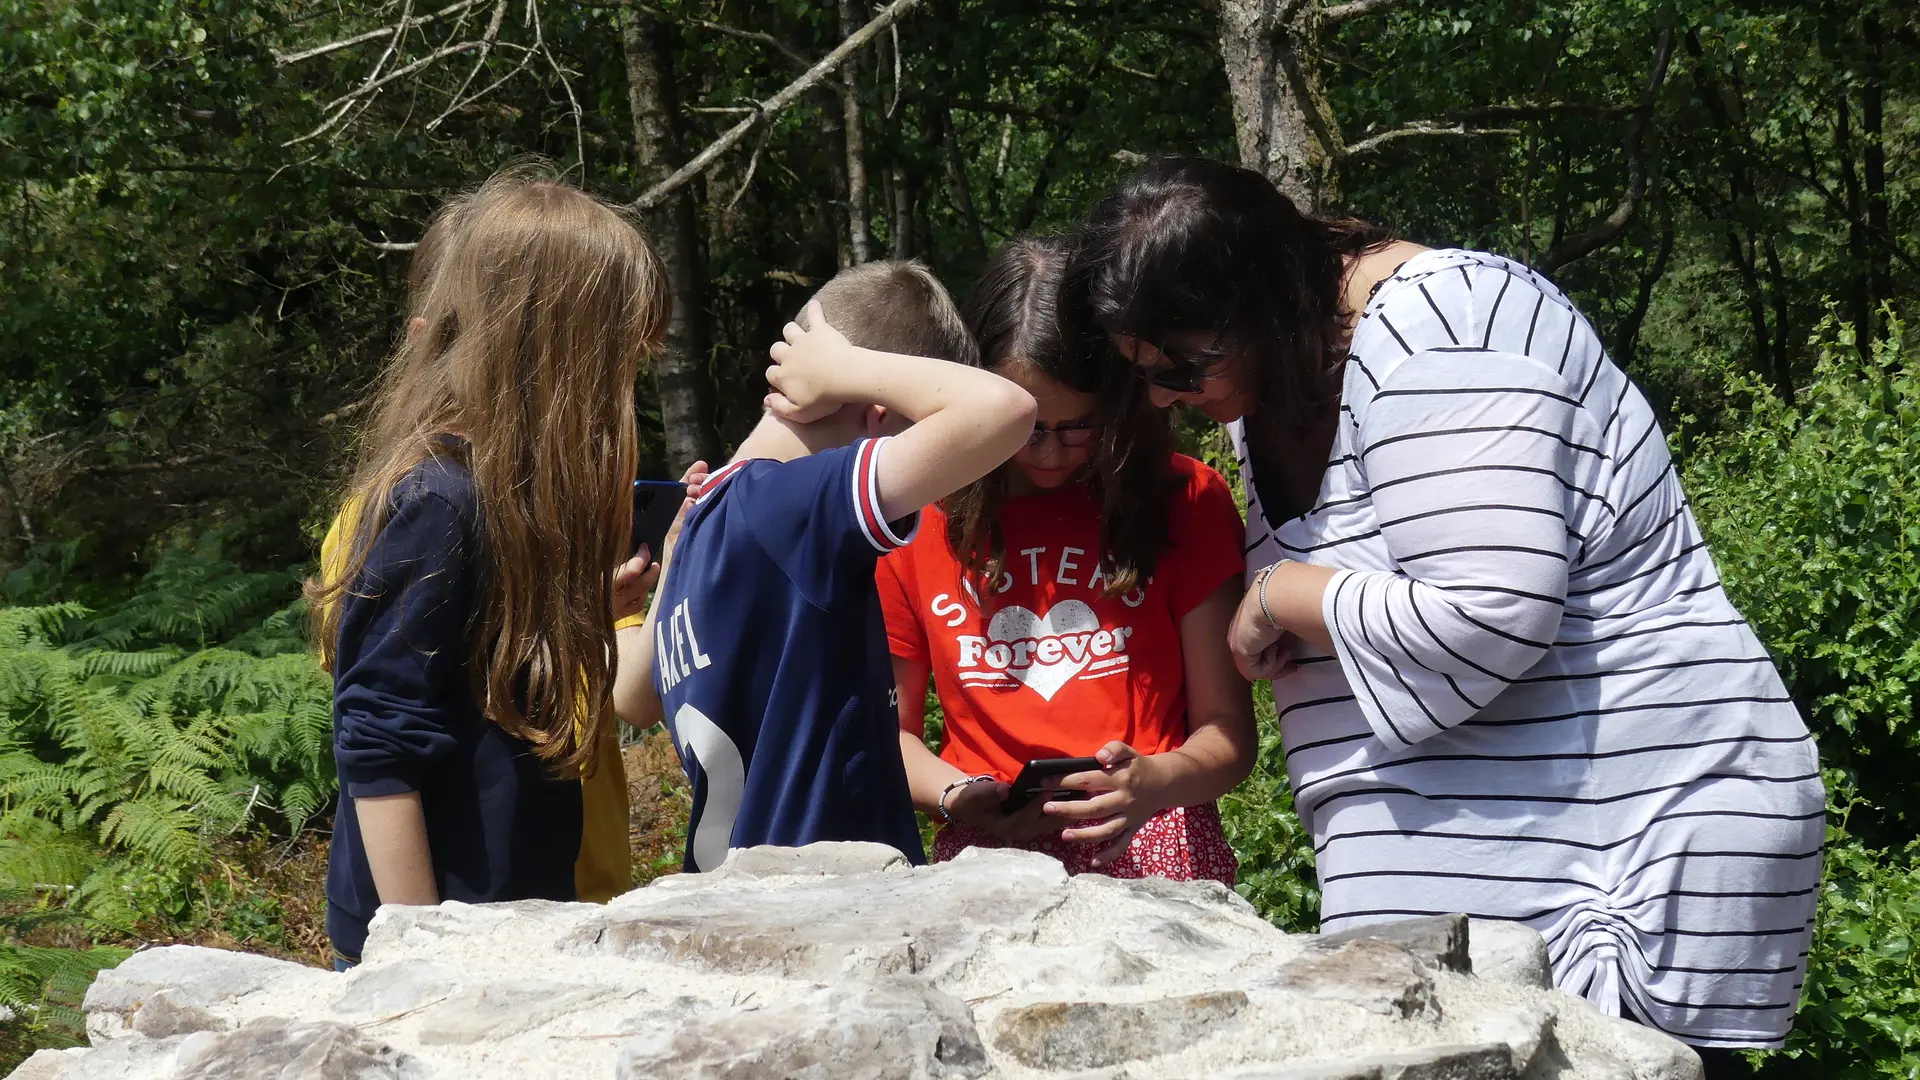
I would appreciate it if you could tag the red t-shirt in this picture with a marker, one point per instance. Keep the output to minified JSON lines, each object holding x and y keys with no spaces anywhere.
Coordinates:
{"x":1060,"y":669}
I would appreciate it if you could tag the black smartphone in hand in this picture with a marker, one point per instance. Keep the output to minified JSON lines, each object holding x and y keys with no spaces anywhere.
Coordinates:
{"x":655,"y":504}
{"x":1039,"y":776}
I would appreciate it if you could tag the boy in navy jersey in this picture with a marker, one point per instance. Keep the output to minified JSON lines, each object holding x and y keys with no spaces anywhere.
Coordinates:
{"x":768,"y":650}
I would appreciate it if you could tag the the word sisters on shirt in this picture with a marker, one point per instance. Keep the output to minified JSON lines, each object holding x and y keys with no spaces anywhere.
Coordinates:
{"x":1052,"y":661}
{"x":771,"y":659}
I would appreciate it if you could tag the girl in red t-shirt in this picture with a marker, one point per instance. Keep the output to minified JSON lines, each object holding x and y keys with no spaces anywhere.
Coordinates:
{"x":1075,"y":603}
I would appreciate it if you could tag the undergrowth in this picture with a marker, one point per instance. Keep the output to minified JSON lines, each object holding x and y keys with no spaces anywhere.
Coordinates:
{"x":140,"y":748}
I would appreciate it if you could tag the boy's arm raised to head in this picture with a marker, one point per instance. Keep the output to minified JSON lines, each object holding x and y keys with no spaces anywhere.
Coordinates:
{"x":966,"y":421}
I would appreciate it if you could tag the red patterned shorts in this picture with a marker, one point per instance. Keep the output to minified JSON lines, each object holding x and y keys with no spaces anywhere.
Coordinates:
{"x":1185,"y":843}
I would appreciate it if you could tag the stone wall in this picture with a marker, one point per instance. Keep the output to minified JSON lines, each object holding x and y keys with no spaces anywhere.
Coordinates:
{"x":840,"y":962}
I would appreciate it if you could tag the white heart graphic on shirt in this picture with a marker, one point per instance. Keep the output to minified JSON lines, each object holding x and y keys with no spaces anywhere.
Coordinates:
{"x":1011,"y":624}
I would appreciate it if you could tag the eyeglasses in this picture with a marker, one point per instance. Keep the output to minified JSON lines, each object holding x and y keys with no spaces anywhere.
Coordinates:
{"x":1072,"y":434}
{"x":1186,"y":374}
{"x":1180,"y":378}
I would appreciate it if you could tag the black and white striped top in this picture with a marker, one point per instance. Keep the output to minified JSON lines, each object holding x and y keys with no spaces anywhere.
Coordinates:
{"x":1543,"y":706}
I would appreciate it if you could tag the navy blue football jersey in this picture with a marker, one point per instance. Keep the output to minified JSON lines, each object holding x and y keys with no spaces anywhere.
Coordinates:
{"x":772,"y":661}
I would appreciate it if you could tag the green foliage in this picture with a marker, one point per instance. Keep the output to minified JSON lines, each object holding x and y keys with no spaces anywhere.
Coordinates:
{"x":131,"y":741}
{"x":1275,"y":849}
{"x":1813,"y":515}
{"x":1860,"y":1011}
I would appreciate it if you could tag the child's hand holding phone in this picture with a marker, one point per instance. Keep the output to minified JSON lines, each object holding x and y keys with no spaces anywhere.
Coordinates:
{"x":1122,"y":794}
{"x":981,"y":806}
{"x":659,"y":507}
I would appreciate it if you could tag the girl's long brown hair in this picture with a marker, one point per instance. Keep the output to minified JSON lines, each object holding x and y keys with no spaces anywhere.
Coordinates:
{"x":539,"y":306}
{"x":1025,"y":313}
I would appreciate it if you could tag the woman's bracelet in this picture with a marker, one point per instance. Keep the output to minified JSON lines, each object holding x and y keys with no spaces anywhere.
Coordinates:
{"x":940,"y":805}
{"x":1260,"y":589}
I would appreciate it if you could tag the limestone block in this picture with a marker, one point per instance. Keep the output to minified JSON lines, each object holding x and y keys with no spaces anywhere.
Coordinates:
{"x":398,"y":987}
{"x":1438,"y":941}
{"x":50,"y":1065}
{"x":1527,"y":1033}
{"x":894,"y":1029}
{"x":926,"y":920}
{"x":1509,"y":952}
{"x":498,"y":1010}
{"x":280,"y":1049}
{"x":167,"y":1012}
{"x":837,"y":962}
{"x":198,"y":976}
{"x":1376,"y":975}
{"x":1032,"y":968}
{"x":815,"y":860}
{"x":1444,"y":1062}
{"x":1092,"y":1035}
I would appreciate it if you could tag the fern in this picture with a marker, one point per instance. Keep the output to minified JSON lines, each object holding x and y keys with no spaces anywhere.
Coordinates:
{"x":131,"y":739}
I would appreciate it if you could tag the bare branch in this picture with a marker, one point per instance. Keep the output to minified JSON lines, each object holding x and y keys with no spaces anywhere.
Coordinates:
{"x":284,"y":59}
{"x":486,"y":48}
{"x":365,"y":91}
{"x":392,"y":245}
{"x":760,"y":36}
{"x":773,"y":105}
{"x":752,"y":164}
{"x":1609,"y":228}
{"x":1335,"y":14}
{"x":1420,"y":127}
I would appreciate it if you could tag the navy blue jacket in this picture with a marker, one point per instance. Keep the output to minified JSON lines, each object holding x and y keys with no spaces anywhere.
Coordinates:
{"x":499,"y":824}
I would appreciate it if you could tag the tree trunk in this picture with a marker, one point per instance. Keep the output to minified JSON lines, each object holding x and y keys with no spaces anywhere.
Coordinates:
{"x":1874,"y":162}
{"x":681,"y":374}
{"x":1286,"y":131}
{"x":1627,"y":342}
{"x":901,"y":190}
{"x":859,"y":221}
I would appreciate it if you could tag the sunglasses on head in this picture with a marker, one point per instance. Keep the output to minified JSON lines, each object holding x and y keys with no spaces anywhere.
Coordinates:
{"x":1072,"y":433}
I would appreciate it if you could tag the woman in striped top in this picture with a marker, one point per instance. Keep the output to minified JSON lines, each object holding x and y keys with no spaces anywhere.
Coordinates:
{"x":1508,"y":679}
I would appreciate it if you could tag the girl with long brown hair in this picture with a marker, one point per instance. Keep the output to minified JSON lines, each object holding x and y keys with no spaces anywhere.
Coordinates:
{"x":1071,"y":604}
{"x":468,"y":621}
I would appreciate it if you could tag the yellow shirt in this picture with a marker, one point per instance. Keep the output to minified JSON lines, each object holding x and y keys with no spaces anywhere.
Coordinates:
{"x":604,"y":868}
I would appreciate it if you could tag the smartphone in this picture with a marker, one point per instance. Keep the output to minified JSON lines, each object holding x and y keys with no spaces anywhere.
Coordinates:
{"x":655,"y":504}
{"x":1038,"y":776}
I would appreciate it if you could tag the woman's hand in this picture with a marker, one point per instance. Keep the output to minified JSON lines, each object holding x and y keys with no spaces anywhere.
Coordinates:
{"x":1260,"y":649}
{"x":803,"y":368}
{"x":978,"y":804}
{"x":1126,"y":793}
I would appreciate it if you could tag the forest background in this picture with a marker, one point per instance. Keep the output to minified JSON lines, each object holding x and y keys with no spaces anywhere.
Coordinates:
{"x":205,"y":213}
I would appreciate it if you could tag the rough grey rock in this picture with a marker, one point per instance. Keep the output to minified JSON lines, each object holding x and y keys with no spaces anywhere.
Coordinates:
{"x":166,"y":1013}
{"x":196,"y":976}
{"x":816,"y":860}
{"x":1060,"y":967}
{"x":1509,"y":952}
{"x":1484,"y":1062}
{"x":1438,"y":941}
{"x":896,"y":1029}
{"x":1091,"y":1035}
{"x":278,"y":1049}
{"x":839,"y":961}
{"x":498,"y":1010}
{"x":1527,"y":1033}
{"x":1376,"y":975}
{"x":909,"y":923}
{"x":397,"y":988}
